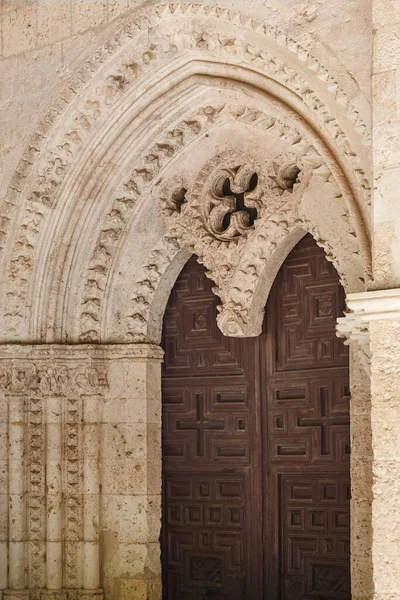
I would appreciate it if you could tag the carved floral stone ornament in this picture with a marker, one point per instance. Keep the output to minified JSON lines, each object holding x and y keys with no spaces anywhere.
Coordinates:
{"x":229,"y":196}
{"x":57,"y":380}
{"x":285,"y":173}
{"x":233,"y":214}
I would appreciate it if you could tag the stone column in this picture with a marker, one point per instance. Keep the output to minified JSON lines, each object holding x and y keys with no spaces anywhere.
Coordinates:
{"x":360,"y":459}
{"x":91,"y":502}
{"x":17,"y":521}
{"x":54,"y":521}
{"x":375,"y":322}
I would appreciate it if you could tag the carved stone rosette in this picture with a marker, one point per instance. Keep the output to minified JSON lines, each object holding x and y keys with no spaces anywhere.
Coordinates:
{"x":230,"y":196}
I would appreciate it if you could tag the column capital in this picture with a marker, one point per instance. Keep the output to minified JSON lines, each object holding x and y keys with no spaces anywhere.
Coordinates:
{"x":62,"y":369}
{"x":364,"y":308}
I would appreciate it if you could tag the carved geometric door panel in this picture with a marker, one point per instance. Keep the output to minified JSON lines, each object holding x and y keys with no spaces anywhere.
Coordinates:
{"x":315,"y":525}
{"x":193,"y":343}
{"x":211,"y":451}
{"x":305,"y":403}
{"x":256,"y":485}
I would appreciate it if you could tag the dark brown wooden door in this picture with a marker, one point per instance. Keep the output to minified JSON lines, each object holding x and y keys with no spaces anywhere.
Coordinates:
{"x":211,"y":451}
{"x":305,"y":402}
{"x":256,"y":442}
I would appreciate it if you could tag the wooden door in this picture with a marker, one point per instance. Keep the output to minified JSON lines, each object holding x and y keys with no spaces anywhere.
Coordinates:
{"x":256,"y":443}
{"x":305,"y":402}
{"x":211,"y":451}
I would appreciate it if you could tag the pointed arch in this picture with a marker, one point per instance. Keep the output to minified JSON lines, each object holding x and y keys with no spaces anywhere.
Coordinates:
{"x":178,"y":75}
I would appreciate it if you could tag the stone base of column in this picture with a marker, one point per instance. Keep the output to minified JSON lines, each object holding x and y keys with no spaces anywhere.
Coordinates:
{"x":89,"y":594}
{"x":53,"y":595}
{"x":16,"y":594}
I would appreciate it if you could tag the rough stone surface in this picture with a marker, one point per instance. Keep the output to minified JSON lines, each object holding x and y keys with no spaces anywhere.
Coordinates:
{"x":130,"y":131}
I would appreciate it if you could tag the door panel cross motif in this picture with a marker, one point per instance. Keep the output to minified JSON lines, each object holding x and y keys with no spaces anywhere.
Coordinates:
{"x":325,"y":421}
{"x":200,"y":425}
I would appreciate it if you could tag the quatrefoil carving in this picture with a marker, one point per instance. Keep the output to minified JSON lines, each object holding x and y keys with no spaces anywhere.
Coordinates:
{"x":230,"y":197}
{"x":233,"y":202}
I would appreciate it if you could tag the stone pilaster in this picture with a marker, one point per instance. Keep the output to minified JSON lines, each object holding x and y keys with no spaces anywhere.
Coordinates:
{"x":373,"y":329}
{"x":130,"y":451}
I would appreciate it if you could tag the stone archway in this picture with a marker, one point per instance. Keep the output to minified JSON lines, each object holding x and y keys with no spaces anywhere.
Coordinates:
{"x":101,"y":214}
{"x":207,"y":73}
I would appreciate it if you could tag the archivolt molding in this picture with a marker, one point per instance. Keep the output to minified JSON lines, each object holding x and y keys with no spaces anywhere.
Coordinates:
{"x":115,"y":83}
{"x":120,"y":216}
{"x":166,"y":37}
{"x":146,"y":174}
{"x":161,"y":45}
{"x":239,"y":266}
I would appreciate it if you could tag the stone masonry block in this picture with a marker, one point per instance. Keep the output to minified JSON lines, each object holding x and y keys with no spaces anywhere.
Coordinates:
{"x":54,"y":21}
{"x":19,"y":30}
{"x":87,"y":14}
{"x":387,"y":48}
{"x":385,"y":12}
{"x":384,"y":97}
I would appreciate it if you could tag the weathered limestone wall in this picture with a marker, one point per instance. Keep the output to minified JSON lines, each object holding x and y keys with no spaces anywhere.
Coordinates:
{"x":43,"y":42}
{"x":386,"y":143}
{"x":80,"y":472}
{"x":385,"y":389}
